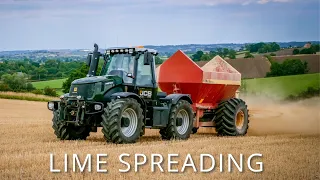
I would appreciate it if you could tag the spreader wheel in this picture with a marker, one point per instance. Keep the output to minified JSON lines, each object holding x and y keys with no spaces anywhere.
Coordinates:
{"x":122,"y":121}
{"x":180,"y":122}
{"x":232,"y":118}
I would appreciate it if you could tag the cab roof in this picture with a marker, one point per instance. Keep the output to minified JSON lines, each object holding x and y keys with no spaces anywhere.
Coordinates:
{"x":136,"y":49}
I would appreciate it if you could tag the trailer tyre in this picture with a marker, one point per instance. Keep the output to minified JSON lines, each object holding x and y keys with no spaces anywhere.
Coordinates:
{"x":232,"y":118}
{"x":68,"y":132}
{"x":180,"y":122}
{"x":122,"y":121}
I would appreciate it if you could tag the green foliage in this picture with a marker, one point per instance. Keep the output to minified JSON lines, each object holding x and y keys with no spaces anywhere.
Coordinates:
{"x":296,"y":51}
{"x":158,"y":60}
{"x":248,"y":55}
{"x":49,"y":91}
{"x":206,"y":57}
{"x":232,"y":54}
{"x":312,"y":50}
{"x":288,"y":67}
{"x":4,"y":87}
{"x":17,"y":82}
{"x":197,"y":56}
{"x":263,"y":47}
{"x":272,"y":54}
{"x":76,"y":74}
{"x":37,"y":91}
{"x":50,"y":69}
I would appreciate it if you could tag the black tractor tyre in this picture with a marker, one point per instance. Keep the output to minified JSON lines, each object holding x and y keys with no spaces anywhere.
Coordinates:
{"x":232,"y":118}
{"x":113,"y":125}
{"x":68,"y":132}
{"x":174,"y":131}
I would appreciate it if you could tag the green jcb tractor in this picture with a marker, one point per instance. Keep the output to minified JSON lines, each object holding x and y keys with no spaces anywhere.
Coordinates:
{"x":123,"y":99}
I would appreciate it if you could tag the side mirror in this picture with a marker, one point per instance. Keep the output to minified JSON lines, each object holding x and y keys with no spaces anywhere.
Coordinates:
{"x":148,"y":58}
{"x":88,"y":62}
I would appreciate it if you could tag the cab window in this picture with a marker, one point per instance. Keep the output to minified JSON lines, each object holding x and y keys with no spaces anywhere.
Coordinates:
{"x":144,"y":76}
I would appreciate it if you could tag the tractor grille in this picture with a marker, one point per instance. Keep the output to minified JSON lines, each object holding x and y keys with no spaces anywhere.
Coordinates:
{"x":84,"y":90}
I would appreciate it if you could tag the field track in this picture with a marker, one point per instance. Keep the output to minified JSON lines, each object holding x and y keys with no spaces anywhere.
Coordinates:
{"x":286,"y":134}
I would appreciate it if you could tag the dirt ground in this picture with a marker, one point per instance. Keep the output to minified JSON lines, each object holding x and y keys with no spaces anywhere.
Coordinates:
{"x":286,"y":134}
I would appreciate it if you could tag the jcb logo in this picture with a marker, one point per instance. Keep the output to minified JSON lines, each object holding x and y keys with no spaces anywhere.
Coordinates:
{"x":146,"y":94}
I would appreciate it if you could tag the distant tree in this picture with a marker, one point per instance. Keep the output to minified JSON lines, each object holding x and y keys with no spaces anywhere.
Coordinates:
{"x":315,"y":48}
{"x":225,"y":52}
{"x":232,"y":54}
{"x":248,"y":55}
{"x":263,"y":47}
{"x":17,"y":82}
{"x":158,"y":60}
{"x":296,"y":51}
{"x":50,"y":91}
{"x":76,"y":74}
{"x":197,"y":56}
{"x":288,"y":67}
{"x":307,"y":51}
{"x":206,"y":57}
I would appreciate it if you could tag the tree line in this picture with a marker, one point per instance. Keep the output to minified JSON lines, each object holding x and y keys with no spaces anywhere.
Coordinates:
{"x":313,"y":49}
{"x":50,"y":69}
{"x":262,"y":47}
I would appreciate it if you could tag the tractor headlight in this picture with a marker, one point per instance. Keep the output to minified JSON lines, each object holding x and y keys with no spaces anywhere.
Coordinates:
{"x":130,"y":51}
{"x":108,"y":52}
{"x":50,"y":105}
{"x":97,"y":107}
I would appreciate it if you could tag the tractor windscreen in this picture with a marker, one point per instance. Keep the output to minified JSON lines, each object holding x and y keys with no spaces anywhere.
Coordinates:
{"x":120,"y":65}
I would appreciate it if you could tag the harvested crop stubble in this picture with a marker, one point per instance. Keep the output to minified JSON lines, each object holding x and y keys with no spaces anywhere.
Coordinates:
{"x":27,"y":140}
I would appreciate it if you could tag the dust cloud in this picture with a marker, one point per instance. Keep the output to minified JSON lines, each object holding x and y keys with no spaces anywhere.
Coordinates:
{"x":270,"y":117}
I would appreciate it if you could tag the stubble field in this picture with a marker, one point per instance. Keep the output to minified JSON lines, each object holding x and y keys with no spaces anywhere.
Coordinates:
{"x":286,"y":134}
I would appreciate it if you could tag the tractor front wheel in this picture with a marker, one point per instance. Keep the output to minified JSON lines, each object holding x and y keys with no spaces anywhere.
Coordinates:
{"x":180,"y":122}
{"x":232,"y":118}
{"x":122,"y":121}
{"x":68,"y":132}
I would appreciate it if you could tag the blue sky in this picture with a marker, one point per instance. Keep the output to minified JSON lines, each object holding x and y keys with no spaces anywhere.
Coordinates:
{"x":60,"y":24}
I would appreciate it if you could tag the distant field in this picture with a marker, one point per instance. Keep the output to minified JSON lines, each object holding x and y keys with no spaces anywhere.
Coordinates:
{"x":283,"y":86}
{"x":57,"y":84}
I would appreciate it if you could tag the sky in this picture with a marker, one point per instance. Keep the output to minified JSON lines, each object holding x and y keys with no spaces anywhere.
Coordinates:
{"x":78,"y":24}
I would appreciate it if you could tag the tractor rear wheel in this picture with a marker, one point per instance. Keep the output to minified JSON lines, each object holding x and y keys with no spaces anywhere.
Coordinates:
{"x":180,"y":122}
{"x":232,"y":118}
{"x":68,"y":132}
{"x":122,"y":121}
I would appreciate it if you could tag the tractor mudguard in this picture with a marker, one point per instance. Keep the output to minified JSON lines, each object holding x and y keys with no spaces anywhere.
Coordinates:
{"x":128,"y":95}
{"x":174,"y":98}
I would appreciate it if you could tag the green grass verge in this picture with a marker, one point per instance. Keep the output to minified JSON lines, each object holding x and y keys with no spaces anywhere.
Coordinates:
{"x":283,"y":86}
{"x":57,"y":84}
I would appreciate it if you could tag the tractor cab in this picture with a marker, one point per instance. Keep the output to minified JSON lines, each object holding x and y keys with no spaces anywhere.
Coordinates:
{"x":136,"y":66}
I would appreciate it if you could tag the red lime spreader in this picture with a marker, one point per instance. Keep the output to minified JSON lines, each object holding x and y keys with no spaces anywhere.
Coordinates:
{"x":214,"y":82}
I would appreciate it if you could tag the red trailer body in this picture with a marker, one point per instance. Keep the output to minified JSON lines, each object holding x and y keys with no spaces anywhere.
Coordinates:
{"x":214,"y":82}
